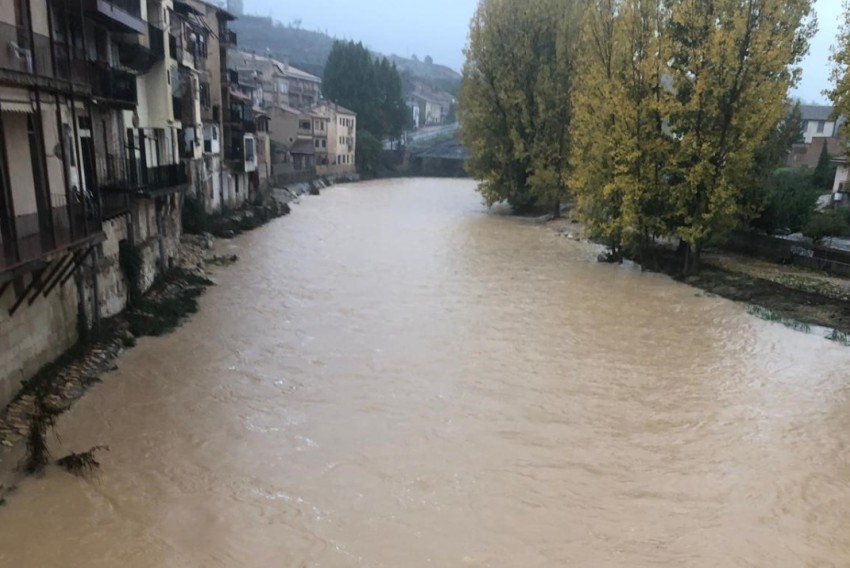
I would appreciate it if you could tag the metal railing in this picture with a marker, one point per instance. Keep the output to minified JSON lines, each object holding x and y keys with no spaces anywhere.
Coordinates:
{"x":37,"y":235}
{"x":113,"y":84}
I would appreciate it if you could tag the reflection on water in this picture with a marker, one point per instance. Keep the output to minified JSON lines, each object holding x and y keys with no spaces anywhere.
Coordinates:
{"x":392,"y":377}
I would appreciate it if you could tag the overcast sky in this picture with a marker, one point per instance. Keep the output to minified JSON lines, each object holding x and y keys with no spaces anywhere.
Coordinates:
{"x":439,"y":28}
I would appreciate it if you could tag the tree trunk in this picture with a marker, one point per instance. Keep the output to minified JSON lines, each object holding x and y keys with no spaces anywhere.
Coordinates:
{"x":556,"y":212}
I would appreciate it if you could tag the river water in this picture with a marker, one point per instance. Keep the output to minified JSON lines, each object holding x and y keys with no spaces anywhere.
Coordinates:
{"x":392,"y":377}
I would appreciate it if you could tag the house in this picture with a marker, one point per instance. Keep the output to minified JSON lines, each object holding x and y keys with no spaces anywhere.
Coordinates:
{"x":818,"y":122}
{"x":282,"y":84}
{"x":430,"y":109}
{"x":292,"y":146}
{"x":341,"y":139}
{"x":88,"y":163}
{"x":818,"y":129}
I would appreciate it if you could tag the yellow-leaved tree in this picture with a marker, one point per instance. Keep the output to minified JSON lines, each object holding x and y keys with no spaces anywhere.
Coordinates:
{"x":620,"y":103}
{"x":732,"y":64}
{"x":839,"y":94}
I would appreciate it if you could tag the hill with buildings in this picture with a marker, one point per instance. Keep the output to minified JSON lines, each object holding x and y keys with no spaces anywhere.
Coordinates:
{"x":308,"y":50}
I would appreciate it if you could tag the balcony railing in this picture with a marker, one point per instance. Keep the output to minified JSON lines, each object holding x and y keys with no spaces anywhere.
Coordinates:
{"x":113,"y":85}
{"x":165,"y":177}
{"x":31,"y":55}
{"x":37,"y":235}
{"x":228,"y":38}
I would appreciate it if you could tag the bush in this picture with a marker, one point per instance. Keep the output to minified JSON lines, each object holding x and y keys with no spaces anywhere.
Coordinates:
{"x":828,"y":224}
{"x":789,"y":200}
{"x":368,"y":152}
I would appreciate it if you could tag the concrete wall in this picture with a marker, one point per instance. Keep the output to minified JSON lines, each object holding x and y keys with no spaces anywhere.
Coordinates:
{"x":35,"y":335}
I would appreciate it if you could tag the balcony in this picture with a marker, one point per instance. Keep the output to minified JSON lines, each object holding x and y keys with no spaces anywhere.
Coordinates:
{"x":31,"y":237}
{"x":140,"y":57}
{"x":122,"y":16}
{"x":164,"y":179}
{"x":227,"y":38}
{"x":27,"y":59}
{"x":114,"y":86}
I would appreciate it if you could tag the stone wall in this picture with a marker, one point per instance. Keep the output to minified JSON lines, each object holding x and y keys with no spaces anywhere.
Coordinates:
{"x":36,"y":335}
{"x":112,"y":285}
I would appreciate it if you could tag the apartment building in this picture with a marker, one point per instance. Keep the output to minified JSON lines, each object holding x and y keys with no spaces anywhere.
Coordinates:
{"x":341,"y":139}
{"x":67,"y":73}
{"x":283,"y":84}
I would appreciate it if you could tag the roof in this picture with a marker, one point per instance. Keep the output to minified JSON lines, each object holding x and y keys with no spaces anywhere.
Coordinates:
{"x":449,"y":150}
{"x":283,"y":68}
{"x":816,"y":112}
{"x":302,"y":146}
{"x":330,"y":105}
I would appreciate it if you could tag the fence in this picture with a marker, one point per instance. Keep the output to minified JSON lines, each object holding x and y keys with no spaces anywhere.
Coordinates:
{"x":791,"y":252}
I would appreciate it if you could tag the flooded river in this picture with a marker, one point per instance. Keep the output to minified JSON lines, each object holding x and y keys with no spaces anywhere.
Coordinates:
{"x":392,"y":377}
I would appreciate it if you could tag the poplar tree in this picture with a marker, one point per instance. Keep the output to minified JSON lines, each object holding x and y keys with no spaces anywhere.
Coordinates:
{"x":619,"y":173}
{"x":514,"y":101}
{"x":839,"y":94}
{"x":732,"y":63}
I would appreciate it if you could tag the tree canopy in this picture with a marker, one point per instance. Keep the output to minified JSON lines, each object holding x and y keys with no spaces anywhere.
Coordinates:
{"x":370,"y":87}
{"x":660,"y":118}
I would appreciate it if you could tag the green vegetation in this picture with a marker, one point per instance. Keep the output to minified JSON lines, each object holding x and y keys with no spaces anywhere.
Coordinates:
{"x":661,"y":118}
{"x":167,"y":304}
{"x":367,"y":153}
{"x":824,"y":173}
{"x":41,"y":421}
{"x":788,"y":200}
{"x":368,"y":86}
{"x":309,"y":50}
{"x":834,"y":223}
{"x":515,"y":99}
{"x":839,"y":337}
{"x":771,"y":315}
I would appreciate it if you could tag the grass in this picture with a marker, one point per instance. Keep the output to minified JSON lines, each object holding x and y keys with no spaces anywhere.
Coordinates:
{"x":772,"y":315}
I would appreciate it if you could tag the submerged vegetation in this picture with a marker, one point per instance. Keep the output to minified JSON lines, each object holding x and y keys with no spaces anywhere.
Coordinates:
{"x":772,"y":315}
{"x":82,"y":464}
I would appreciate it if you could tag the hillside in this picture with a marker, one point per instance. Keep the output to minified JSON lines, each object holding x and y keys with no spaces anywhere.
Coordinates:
{"x":308,"y":50}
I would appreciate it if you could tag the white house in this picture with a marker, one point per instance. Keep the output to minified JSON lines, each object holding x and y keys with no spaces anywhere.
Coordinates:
{"x":818,"y":122}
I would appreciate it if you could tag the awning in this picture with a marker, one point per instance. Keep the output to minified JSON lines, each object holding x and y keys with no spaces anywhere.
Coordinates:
{"x":15,"y":100}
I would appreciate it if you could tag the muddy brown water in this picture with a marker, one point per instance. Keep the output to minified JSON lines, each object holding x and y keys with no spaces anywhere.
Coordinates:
{"x":392,"y":377}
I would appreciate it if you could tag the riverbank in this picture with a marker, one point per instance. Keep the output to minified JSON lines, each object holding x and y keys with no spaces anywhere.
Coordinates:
{"x":785,"y":293}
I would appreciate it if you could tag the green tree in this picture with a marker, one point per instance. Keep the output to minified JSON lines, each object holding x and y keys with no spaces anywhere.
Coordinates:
{"x":732,"y":64}
{"x":367,"y":152}
{"x":788,"y":202}
{"x":840,"y":58}
{"x":514,"y":101}
{"x":369,"y":87}
{"x":824,"y":174}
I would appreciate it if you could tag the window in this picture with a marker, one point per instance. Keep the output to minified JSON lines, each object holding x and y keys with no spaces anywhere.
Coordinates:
{"x":324,"y":143}
{"x":821,"y":125}
{"x":316,"y":142}
{"x":322,"y":124}
{"x":249,"y":149}
{"x":305,"y":125}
